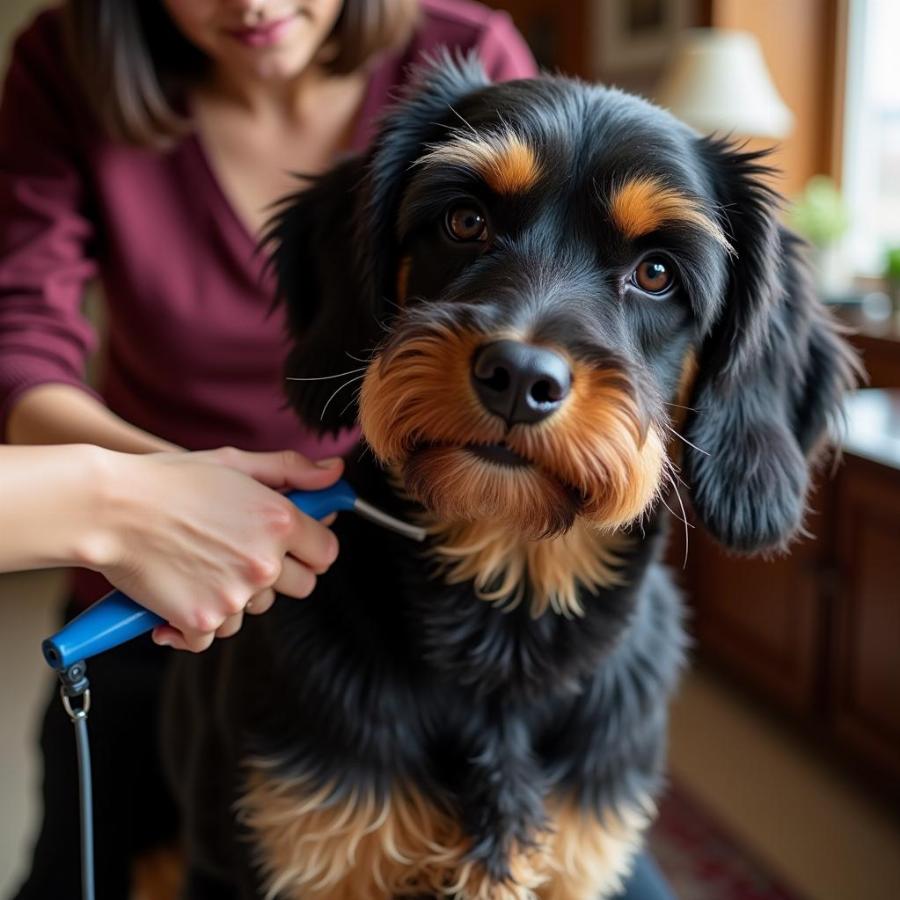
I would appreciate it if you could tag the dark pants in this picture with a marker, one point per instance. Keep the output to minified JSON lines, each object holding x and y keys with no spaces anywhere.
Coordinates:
{"x":133,"y":810}
{"x":646,"y":882}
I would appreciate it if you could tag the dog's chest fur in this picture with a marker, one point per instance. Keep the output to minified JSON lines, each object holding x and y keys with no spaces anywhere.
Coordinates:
{"x":404,"y":737}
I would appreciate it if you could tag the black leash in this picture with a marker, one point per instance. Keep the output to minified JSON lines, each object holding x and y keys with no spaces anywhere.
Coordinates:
{"x":76,"y":699}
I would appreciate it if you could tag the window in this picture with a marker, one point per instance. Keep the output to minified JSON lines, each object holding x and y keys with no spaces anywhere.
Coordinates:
{"x":872,"y":132}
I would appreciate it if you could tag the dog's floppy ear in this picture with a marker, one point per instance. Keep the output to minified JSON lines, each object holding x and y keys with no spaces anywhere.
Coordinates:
{"x":334,"y":247}
{"x":330,"y":310}
{"x":772,"y":372}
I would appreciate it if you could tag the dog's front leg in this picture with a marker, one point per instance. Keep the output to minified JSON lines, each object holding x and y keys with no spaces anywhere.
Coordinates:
{"x":502,"y":803}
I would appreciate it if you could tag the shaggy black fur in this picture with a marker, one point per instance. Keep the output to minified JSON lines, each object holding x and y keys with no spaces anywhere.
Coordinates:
{"x":387,"y":675}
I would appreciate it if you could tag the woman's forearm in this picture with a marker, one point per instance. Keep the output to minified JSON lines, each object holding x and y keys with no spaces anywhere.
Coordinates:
{"x":62,"y":414}
{"x":48,"y":512}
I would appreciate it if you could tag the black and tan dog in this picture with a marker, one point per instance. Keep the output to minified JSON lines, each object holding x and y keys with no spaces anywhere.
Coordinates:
{"x":564,"y":303}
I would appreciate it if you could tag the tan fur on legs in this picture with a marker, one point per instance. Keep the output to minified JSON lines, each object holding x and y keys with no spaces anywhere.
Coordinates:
{"x":314,"y":845}
{"x":588,"y":856}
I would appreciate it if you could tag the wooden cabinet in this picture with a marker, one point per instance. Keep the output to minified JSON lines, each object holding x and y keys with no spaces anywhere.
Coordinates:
{"x":866,"y":644}
{"x":763,"y":620}
{"x":818,"y":632}
{"x":879,"y":349}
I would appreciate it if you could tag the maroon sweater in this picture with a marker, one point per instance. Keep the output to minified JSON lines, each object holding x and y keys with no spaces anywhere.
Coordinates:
{"x":194,"y":354}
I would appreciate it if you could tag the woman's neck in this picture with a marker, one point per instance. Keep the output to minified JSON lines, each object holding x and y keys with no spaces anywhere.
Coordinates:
{"x":255,"y":133}
{"x":292,"y":100}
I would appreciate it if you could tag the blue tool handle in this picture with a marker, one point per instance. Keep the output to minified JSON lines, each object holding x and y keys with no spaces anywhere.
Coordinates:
{"x":116,"y":618}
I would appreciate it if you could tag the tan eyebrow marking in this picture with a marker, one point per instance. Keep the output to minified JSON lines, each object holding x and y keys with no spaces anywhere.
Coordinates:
{"x":503,"y":159}
{"x":643,"y":204}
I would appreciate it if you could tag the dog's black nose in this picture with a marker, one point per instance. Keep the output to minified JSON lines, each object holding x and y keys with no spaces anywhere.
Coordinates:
{"x":519,"y":382}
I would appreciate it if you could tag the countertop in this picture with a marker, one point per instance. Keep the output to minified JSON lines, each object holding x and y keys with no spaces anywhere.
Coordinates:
{"x":873,"y":426}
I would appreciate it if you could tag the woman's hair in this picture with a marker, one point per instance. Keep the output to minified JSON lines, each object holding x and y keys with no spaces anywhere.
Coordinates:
{"x":134,"y":64}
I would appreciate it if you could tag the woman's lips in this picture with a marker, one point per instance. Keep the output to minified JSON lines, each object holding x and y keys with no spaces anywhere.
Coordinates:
{"x":265,"y":35}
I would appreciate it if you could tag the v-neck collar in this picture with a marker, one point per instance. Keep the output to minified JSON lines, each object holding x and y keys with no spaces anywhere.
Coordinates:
{"x":225,"y":213}
{"x":239,"y":232}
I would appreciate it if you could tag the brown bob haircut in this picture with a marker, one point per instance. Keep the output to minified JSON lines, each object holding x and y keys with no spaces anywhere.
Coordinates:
{"x":134,"y":64}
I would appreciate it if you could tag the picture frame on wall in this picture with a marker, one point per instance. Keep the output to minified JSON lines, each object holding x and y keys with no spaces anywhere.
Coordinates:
{"x":635,"y":35}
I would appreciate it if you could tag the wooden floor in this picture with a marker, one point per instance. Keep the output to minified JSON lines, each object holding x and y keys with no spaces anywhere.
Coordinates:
{"x":806,"y":819}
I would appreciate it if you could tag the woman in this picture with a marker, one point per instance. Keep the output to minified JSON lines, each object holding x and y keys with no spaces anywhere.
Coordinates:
{"x":143,"y":141}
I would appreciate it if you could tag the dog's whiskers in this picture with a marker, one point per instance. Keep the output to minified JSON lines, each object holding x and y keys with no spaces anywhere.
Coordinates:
{"x":674,"y":473}
{"x":679,"y":406}
{"x":463,"y":120}
{"x":671,"y":477}
{"x":345,"y":384}
{"x":687,"y":525}
{"x":394,"y":303}
{"x":365,"y":450}
{"x":683,"y":438}
{"x":366,"y":362}
{"x":352,"y":400}
{"x":327,"y":377}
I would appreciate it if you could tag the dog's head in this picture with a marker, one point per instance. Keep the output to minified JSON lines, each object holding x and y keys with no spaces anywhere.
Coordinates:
{"x":543,"y":281}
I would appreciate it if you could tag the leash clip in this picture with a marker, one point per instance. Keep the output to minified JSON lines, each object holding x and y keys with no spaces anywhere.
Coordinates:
{"x":76,"y":713}
{"x":74,"y":685}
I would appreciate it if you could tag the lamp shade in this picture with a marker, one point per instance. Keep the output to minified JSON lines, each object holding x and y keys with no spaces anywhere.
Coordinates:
{"x":718,"y":81}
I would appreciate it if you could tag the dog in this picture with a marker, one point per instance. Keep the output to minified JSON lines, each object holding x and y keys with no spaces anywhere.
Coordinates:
{"x":558,"y":304}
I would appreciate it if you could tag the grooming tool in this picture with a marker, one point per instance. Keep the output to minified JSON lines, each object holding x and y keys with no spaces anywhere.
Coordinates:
{"x":116,"y":618}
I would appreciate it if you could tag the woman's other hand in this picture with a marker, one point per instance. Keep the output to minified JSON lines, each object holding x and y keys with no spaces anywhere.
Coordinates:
{"x":202,"y":538}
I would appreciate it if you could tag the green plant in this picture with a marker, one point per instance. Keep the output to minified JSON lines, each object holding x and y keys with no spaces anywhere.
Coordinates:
{"x":892,"y":264}
{"x":819,"y":213}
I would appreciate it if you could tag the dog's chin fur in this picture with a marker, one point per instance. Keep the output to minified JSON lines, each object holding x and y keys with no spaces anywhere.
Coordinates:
{"x":456,"y":486}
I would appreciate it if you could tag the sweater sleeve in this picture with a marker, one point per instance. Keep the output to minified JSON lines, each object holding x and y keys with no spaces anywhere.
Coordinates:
{"x":503,"y":51}
{"x":44,"y":231}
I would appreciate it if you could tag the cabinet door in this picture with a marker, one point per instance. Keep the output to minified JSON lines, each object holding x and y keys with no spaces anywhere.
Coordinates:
{"x":867,"y":621}
{"x":763,"y":619}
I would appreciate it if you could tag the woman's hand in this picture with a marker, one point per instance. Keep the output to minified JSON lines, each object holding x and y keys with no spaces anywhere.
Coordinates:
{"x":200,"y":538}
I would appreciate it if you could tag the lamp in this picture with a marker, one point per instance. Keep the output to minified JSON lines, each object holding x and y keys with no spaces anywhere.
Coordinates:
{"x":718,"y":81}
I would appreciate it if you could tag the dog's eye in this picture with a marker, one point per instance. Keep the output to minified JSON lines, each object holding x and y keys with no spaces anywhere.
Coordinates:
{"x":653,"y":275}
{"x":466,"y":223}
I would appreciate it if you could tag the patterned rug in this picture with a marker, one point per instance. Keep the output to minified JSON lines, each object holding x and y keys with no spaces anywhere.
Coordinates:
{"x":702,"y":861}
